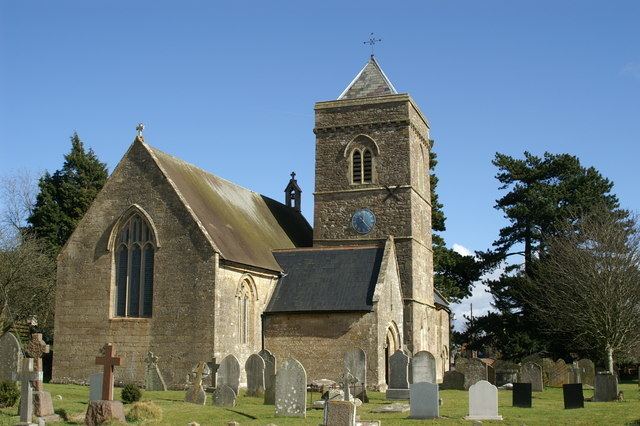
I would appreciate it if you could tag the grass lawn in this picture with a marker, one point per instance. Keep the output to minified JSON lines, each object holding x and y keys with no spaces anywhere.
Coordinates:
{"x":547,"y":409}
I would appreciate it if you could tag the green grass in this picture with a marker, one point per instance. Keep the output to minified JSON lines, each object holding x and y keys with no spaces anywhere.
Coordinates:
{"x":547,"y":409}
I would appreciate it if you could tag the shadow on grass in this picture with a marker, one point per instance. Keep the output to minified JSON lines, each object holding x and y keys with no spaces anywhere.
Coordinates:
{"x":242,"y":414}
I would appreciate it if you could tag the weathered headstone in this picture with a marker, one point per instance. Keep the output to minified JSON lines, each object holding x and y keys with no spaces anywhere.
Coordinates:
{"x":195,"y":392}
{"x":224,"y":396}
{"x":95,"y":387}
{"x":355,"y":362}
{"x":10,"y":358}
{"x":424,"y":400}
{"x":606,"y":387}
{"x":340,"y":413}
{"x":574,"y":374}
{"x":474,"y":370}
{"x":573,"y":396}
{"x":269,"y":376}
{"x":483,"y":402}
{"x":531,"y":373}
{"x":229,"y":373}
{"x":522,"y":395}
{"x":106,"y":409}
{"x":153,"y":379}
{"x":27,"y":376}
{"x":559,"y":374}
{"x":254,"y":367}
{"x":587,"y":371}
{"x":291,"y":389}
{"x":42,"y":403}
{"x":506,"y":372}
{"x":398,"y":376}
{"x":548,"y":367}
{"x":453,"y":379}
{"x":491,"y":374}
{"x":423,"y":367}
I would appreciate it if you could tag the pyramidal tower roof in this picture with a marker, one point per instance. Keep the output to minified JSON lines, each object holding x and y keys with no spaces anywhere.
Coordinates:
{"x":371,"y":81}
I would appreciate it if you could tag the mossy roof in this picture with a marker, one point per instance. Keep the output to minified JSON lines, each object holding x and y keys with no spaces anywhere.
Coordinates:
{"x":244,"y":226}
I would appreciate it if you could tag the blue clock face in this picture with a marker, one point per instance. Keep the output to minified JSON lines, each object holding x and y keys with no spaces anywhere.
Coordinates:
{"x":363,"y":221}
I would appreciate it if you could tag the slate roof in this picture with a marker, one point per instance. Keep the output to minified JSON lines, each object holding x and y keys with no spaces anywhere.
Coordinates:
{"x":371,"y":81}
{"x":326,"y":279}
{"x":439,"y":299}
{"x":244,"y":226}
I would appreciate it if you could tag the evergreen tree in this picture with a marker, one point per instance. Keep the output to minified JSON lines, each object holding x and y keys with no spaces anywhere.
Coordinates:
{"x":544,"y":194}
{"x":66,"y":195}
{"x":454,"y":274}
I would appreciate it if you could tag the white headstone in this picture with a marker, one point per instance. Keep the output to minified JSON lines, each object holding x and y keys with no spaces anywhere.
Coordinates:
{"x":423,"y":367}
{"x":483,"y":402}
{"x":424,"y":400}
{"x":95,"y":387}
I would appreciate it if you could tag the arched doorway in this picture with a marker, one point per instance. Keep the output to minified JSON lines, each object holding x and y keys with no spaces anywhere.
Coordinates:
{"x":391,"y":344}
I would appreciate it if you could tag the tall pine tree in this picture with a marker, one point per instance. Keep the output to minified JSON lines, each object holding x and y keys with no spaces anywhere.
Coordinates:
{"x":66,"y":195}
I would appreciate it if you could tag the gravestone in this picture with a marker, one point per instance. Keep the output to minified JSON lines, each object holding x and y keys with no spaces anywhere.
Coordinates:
{"x":587,"y":371}
{"x":355,"y":362}
{"x":453,"y":380}
{"x":339,"y":413}
{"x":10,"y":358}
{"x":229,"y":373}
{"x":606,"y":387}
{"x":106,"y":409}
{"x":153,"y":379}
{"x":254,"y":368}
{"x":474,"y":370}
{"x":483,"y":402}
{"x":423,"y":367}
{"x":224,"y":396}
{"x":269,"y":376}
{"x":574,"y":375}
{"x":522,"y":395}
{"x":95,"y":387}
{"x":398,"y":376}
{"x":548,"y":366}
{"x":27,"y":376}
{"x":573,"y":396}
{"x":195,"y":392}
{"x":42,"y":403}
{"x":424,"y":400}
{"x":506,"y":372}
{"x":531,"y":373}
{"x":559,"y":374}
{"x":291,"y":389}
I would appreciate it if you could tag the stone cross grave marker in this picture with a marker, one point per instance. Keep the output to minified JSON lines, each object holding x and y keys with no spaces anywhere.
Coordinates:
{"x":27,"y":376}
{"x":153,"y":379}
{"x":573,"y":373}
{"x":355,"y":362}
{"x":213,"y":368}
{"x":423,"y":367}
{"x":35,"y":348}
{"x":195,"y":393}
{"x":348,"y":379}
{"x":531,"y":372}
{"x":424,"y":400}
{"x":269,"y":376}
{"x":229,"y":373}
{"x":291,"y":389}
{"x":10,"y":358}
{"x":109,"y":360}
{"x":254,"y":368}
{"x":483,"y":402}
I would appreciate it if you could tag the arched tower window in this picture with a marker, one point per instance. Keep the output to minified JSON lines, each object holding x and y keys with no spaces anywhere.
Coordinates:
{"x":134,"y":262}
{"x":245,"y":299}
{"x":362,"y":152}
{"x":367,"y":167}
{"x":356,"y":166}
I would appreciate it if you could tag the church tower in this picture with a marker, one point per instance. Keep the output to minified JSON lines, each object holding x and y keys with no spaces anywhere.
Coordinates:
{"x":372,"y":181}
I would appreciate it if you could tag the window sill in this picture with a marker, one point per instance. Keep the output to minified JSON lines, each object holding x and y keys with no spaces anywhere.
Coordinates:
{"x":130,"y":319}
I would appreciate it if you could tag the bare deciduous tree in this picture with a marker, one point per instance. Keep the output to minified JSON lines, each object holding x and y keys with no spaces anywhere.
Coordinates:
{"x":586,"y":286}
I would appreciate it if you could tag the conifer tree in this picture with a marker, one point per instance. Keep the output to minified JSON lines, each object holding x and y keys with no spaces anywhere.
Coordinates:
{"x":66,"y":195}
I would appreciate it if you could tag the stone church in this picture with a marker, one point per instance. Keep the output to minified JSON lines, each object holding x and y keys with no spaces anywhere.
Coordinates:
{"x":175,"y":260}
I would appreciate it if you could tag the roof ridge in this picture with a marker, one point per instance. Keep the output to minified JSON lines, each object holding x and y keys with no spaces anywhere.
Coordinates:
{"x":329,"y":248}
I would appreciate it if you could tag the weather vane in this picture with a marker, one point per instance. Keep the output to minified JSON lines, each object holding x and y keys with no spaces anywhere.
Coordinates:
{"x":140,"y":129}
{"x":372,"y":42}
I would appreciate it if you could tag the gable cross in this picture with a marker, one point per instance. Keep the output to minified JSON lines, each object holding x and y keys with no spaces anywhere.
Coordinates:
{"x":140,"y":129}
{"x":109,"y":360}
{"x":372,"y":42}
{"x":35,"y":348}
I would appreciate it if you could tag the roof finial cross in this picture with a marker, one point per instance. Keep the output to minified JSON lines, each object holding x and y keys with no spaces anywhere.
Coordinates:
{"x":140,"y":129}
{"x":372,"y":42}
{"x":293,"y":175}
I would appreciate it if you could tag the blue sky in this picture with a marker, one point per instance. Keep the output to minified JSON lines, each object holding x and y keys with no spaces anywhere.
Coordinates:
{"x":230,"y":86}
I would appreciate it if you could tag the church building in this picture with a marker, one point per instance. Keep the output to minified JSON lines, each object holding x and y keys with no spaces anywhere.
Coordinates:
{"x":175,"y":260}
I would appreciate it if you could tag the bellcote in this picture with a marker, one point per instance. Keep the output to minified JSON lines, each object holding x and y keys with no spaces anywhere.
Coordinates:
{"x":293,"y":193}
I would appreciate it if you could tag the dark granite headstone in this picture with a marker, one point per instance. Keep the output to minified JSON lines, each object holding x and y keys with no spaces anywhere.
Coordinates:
{"x":522,"y":395}
{"x":573,"y":397}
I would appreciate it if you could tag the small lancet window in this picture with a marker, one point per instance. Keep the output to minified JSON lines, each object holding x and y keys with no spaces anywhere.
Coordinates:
{"x":367,"y":167}
{"x":357,"y":166}
{"x":245,"y":311}
{"x":362,"y":166}
{"x":134,"y":265}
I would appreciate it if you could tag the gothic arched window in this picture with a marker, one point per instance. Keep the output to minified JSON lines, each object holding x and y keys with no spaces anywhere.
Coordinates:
{"x":356,"y":166}
{"x":134,"y":260}
{"x":245,"y":311}
{"x":362,"y":166}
